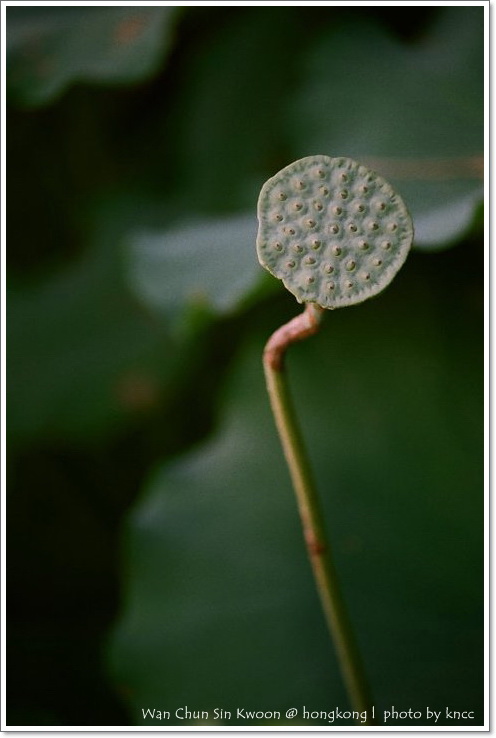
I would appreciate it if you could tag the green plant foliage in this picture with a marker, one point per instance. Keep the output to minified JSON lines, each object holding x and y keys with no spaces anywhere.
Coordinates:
{"x":220,"y":608}
{"x":413,"y":112}
{"x":98,"y":359}
{"x":332,"y":230}
{"x":226,"y":119}
{"x":212,"y":261}
{"x":50,"y":48}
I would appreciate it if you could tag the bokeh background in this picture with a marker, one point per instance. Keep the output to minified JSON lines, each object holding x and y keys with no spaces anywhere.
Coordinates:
{"x":155,"y":558}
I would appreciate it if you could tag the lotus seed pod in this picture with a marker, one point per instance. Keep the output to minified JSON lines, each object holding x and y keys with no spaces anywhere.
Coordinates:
{"x":334,"y":231}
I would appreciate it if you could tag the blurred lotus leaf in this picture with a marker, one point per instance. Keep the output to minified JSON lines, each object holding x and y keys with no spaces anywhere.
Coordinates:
{"x":83,"y":357}
{"x":220,"y":606}
{"x":227,"y":122}
{"x":50,"y":48}
{"x":210,"y":263}
{"x":413,"y":112}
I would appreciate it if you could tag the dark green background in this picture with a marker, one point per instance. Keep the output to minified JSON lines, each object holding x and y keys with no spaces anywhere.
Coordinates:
{"x":154,"y":551}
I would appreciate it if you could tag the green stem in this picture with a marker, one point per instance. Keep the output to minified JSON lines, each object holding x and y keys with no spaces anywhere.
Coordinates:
{"x":306,"y":324}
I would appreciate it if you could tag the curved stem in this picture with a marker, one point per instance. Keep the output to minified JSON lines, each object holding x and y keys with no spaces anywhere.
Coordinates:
{"x":306,"y":324}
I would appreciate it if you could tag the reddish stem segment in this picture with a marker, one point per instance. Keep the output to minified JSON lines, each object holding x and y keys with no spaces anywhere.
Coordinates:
{"x":304,"y":325}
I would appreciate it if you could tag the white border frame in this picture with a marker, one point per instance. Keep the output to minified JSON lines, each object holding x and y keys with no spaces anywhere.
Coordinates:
{"x":489,"y":444}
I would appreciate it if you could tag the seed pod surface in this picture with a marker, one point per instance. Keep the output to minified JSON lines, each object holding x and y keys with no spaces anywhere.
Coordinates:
{"x":333,"y":230}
